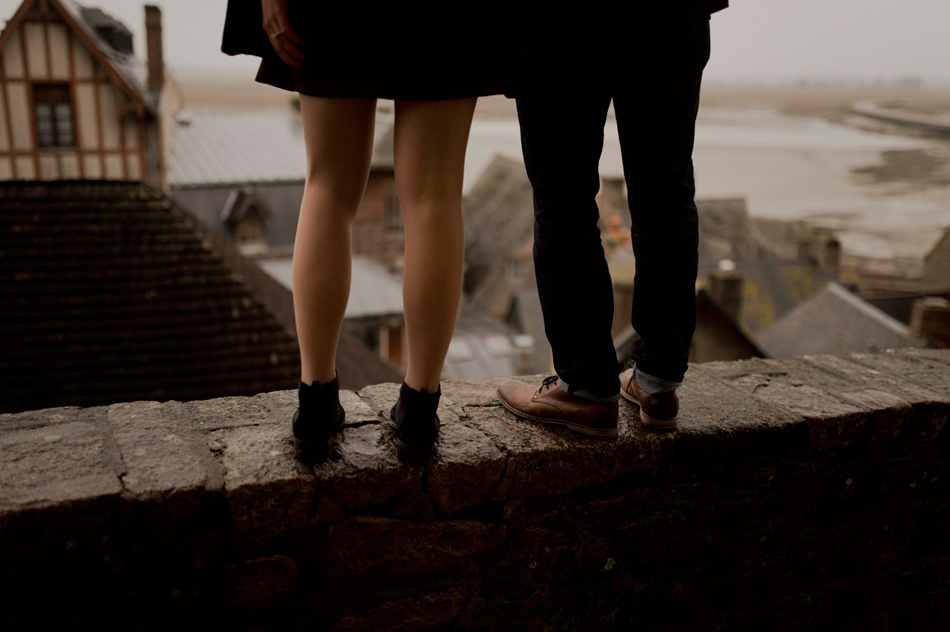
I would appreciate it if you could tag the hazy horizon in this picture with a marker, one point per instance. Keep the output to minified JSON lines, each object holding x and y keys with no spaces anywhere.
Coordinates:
{"x":771,"y":41}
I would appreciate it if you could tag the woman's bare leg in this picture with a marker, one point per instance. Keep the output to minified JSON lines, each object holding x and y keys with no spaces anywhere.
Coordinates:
{"x":339,"y":140}
{"x":430,"y":139}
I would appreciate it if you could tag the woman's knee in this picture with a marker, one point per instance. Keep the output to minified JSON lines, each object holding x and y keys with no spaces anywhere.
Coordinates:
{"x":329,"y":195}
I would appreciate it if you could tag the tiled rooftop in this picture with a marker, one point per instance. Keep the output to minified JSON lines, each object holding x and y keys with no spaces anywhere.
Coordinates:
{"x":107,"y":294}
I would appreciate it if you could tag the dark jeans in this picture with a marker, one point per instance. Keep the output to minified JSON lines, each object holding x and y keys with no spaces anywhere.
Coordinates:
{"x":652,"y":70}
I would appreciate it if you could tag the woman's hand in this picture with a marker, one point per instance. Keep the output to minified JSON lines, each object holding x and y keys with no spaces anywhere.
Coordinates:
{"x":286,"y":43}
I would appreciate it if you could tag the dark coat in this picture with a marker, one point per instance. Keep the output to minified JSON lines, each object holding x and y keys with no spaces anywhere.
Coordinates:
{"x":244,"y":30}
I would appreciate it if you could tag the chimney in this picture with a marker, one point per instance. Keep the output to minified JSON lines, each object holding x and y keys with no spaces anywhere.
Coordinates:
{"x":153,"y":43}
{"x":831,"y":256}
{"x":725,"y":287}
{"x":930,"y":320}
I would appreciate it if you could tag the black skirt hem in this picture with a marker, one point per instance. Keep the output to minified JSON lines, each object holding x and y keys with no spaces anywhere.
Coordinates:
{"x":274,"y":72}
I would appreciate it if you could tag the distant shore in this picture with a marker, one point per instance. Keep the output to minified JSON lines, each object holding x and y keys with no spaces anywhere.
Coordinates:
{"x":792,"y":152}
{"x":829,"y":102}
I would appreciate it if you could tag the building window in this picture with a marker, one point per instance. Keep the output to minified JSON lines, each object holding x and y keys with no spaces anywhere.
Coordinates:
{"x":53,"y":109}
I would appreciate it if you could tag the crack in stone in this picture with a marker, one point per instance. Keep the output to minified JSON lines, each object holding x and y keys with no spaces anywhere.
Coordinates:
{"x":360,"y":424}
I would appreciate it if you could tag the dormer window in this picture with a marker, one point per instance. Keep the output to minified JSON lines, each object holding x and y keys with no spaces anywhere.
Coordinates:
{"x":250,"y":230}
{"x":53,"y":111}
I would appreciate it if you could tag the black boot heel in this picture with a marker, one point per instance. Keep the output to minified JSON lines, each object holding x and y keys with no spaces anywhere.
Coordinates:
{"x":311,"y":452}
{"x":417,"y":425}
{"x":318,"y":417}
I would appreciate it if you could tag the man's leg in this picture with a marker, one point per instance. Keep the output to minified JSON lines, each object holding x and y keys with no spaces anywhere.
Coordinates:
{"x":656,"y":103}
{"x":562,"y":139}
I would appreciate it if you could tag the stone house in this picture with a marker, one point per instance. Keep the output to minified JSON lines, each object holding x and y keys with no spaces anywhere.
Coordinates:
{"x":928,"y":275}
{"x":75,"y":102}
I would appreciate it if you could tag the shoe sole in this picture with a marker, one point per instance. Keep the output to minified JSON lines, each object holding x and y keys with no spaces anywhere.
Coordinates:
{"x":591,"y":432}
{"x":647,"y":420}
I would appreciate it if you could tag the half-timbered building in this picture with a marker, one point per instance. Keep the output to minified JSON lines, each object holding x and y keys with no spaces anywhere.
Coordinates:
{"x":74,"y":100}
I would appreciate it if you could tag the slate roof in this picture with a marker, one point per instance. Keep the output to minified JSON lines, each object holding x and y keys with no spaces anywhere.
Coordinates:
{"x":498,"y":222}
{"x":218,"y":147}
{"x":132,"y":71}
{"x":374,"y":291}
{"x":108,"y":294}
{"x":833,"y":321}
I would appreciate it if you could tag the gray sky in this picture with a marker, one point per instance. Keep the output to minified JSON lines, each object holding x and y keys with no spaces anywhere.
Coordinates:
{"x":752,"y":40}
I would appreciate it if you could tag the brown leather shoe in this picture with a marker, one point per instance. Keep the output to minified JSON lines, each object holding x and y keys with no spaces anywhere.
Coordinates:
{"x":656,"y":411}
{"x":551,"y":405}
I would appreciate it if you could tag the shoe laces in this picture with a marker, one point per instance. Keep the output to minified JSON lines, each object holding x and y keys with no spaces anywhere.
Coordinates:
{"x":547,"y":383}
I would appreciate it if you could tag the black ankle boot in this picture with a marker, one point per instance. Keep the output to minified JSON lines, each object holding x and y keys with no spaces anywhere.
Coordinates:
{"x":318,"y":417}
{"x":417,"y":425}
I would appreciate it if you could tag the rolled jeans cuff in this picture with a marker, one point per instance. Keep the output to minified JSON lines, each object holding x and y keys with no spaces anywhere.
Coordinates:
{"x":652,"y":384}
{"x":579,"y":392}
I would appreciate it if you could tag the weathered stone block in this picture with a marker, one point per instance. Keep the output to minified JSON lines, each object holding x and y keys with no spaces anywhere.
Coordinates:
{"x":163,"y":453}
{"x":466,"y":469}
{"x":373,"y":552}
{"x":380,"y":398}
{"x":55,"y":464}
{"x":364,"y":469}
{"x":931,"y":416}
{"x":276,"y":407}
{"x":924,"y":371}
{"x":49,"y":416}
{"x":834,"y":408}
{"x":358,"y":412}
{"x":427,"y":610}
{"x":940,"y":355}
{"x":473,"y":393}
{"x":543,"y":460}
{"x":608,"y":503}
{"x":713,"y":399}
{"x":793,"y":495}
{"x":720,"y":424}
{"x":269,"y":494}
{"x":59,"y":502}
{"x":258,"y":584}
{"x":847,"y":373}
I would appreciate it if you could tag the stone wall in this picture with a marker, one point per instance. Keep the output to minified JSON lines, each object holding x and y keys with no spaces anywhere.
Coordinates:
{"x":807,"y":494}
